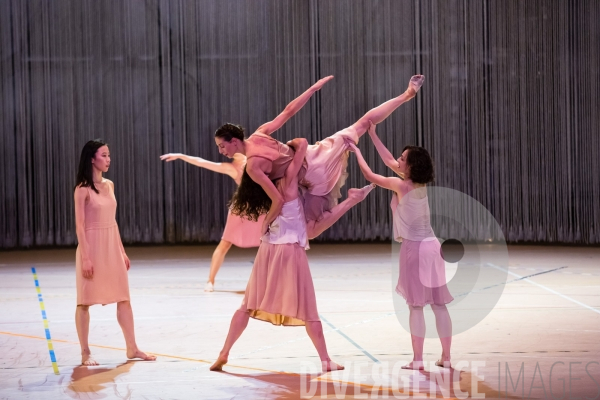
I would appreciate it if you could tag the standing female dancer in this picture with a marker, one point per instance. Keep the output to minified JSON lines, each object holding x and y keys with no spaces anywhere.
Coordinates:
{"x":101,"y":262}
{"x":280,"y":288}
{"x":324,"y":170}
{"x":422,"y":278}
{"x":238,"y":231}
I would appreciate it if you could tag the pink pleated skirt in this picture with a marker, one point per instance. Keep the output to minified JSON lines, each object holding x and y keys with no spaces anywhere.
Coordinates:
{"x":422,"y":278}
{"x":241,"y":231}
{"x":280,"y":289}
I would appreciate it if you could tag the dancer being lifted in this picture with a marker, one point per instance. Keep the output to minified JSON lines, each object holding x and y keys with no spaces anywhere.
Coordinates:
{"x":238,"y":231}
{"x":280,"y":289}
{"x":422,"y":278}
{"x":323,"y":172}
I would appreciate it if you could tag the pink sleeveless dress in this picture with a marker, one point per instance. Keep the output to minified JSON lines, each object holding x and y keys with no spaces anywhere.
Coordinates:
{"x":110,"y":283}
{"x":422,"y":277}
{"x":324,"y":171}
{"x":280,"y":289}
{"x":241,"y":231}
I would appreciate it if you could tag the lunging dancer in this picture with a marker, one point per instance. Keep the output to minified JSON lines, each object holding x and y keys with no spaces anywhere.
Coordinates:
{"x":280,"y":289}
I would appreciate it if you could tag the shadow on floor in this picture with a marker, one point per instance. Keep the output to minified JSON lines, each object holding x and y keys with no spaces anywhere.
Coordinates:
{"x":91,"y":380}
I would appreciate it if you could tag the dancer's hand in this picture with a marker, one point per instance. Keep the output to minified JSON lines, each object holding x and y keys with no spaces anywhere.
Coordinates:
{"x":264,"y":229}
{"x":87,"y":269}
{"x":127,"y":262}
{"x":353,"y":148}
{"x":372,"y":129}
{"x":171,"y":157}
{"x":298,"y":143}
{"x":321,"y":82}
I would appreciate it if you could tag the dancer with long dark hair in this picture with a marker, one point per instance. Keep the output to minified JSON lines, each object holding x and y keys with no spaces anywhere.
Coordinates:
{"x":422,"y":278}
{"x":238,"y":231}
{"x":280,"y":289}
{"x":101,"y":262}
{"x":323,"y":172}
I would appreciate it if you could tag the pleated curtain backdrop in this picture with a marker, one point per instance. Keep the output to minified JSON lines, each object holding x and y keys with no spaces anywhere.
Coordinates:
{"x":509,"y":109}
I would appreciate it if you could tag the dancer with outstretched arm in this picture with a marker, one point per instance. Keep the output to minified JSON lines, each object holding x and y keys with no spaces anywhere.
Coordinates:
{"x":238,"y":231}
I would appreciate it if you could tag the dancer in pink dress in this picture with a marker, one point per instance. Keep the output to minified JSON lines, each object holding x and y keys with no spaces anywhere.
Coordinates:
{"x":422,"y":278}
{"x":238,"y":231}
{"x":324,"y":170}
{"x":101,"y":262}
{"x":280,"y":289}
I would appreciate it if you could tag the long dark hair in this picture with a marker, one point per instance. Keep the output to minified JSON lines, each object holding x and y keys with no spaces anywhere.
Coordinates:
{"x":420,"y":163}
{"x":85,"y":172}
{"x":249,"y":200}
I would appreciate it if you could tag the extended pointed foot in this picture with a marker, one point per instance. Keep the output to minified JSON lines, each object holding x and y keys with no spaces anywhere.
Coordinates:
{"x":415,"y":83}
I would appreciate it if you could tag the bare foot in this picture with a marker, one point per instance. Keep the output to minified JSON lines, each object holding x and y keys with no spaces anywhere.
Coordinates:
{"x":360,"y":194}
{"x":329,"y":366}
{"x":443,"y":364}
{"x":415,"y":84}
{"x":218,"y":365}
{"x":86,"y":359}
{"x":141,"y":355}
{"x":415,"y":365}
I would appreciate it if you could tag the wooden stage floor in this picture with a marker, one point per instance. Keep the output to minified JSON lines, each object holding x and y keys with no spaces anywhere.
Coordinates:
{"x":540,"y":341}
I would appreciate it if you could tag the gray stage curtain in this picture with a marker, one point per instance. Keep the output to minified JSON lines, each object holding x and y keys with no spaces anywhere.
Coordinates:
{"x":509,"y":110}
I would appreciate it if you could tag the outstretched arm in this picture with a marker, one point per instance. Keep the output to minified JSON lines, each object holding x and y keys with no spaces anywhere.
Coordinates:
{"x":385,"y":182}
{"x":222,"y":168}
{"x":384,"y":153}
{"x":255,"y":170}
{"x":292,"y":108}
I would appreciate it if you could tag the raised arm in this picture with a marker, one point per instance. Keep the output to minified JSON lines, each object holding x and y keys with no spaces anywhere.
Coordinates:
{"x":385,"y":182}
{"x":254,"y":170}
{"x":290,"y":179}
{"x":292,"y":108}
{"x":222,"y":168}
{"x":80,"y":196}
{"x":300,"y":145}
{"x":384,"y":153}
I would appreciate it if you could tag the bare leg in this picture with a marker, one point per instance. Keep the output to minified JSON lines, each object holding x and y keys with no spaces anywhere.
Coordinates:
{"x":417,"y":335}
{"x":315,"y":332}
{"x":444,"y":327}
{"x":125,"y":318}
{"x":239,"y":322}
{"x":82,"y":323}
{"x":216,"y":262}
{"x":381,"y":112}
{"x":355,"y":196}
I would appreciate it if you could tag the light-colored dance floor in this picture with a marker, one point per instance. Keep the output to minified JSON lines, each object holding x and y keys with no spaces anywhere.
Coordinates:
{"x":540,"y":341}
